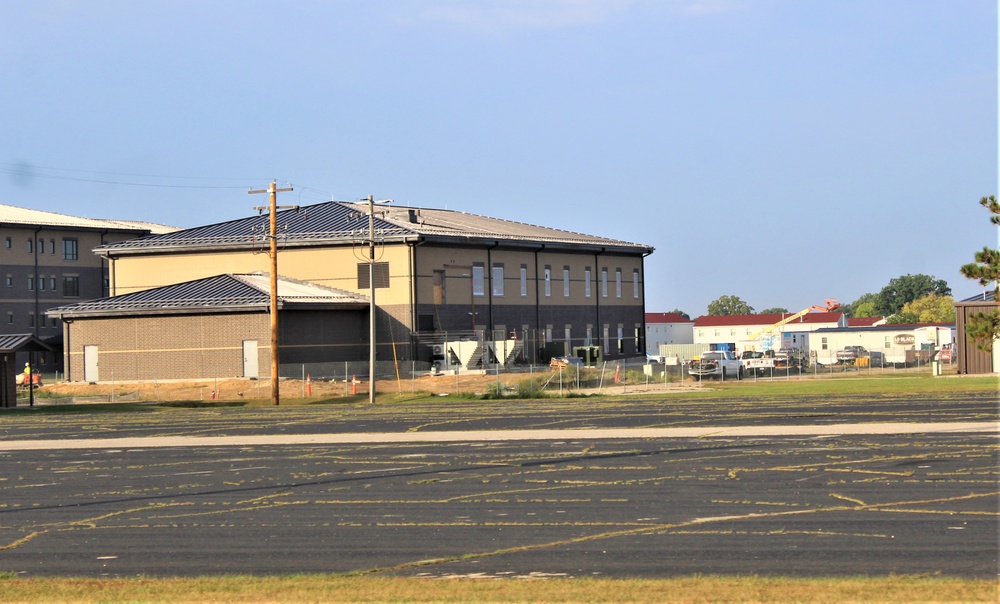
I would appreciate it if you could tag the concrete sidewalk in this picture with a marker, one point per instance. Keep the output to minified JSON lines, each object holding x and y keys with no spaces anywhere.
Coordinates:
{"x":147,"y":442}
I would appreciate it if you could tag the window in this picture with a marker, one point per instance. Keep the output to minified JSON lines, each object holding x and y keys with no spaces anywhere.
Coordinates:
{"x":41,"y":246}
{"x":635,"y":283}
{"x":438,"y":285}
{"x":824,"y":343}
{"x":621,"y":337}
{"x":548,"y":281}
{"x":548,"y":333}
{"x":41,"y":284}
{"x":618,"y":283}
{"x":52,"y":246}
{"x":71,"y":287}
{"x":31,"y":246}
{"x":607,"y":339}
{"x":31,"y":282}
{"x":586,"y":282}
{"x":565,"y":282}
{"x":52,"y":283}
{"x":53,"y":322}
{"x":497,"y":279}
{"x":524,"y":280}
{"x":478,"y":280}
{"x":10,"y":281}
{"x":381,"y":270}
{"x":70,"y":249}
{"x":567,"y":336}
{"x":10,"y":318}
{"x":604,"y":283}
{"x":31,"y":319}
{"x":7,"y":243}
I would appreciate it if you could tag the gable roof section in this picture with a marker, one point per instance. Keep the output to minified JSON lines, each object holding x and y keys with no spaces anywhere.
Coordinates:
{"x":13,"y":215}
{"x":986,"y":296}
{"x":864,"y":321}
{"x":340,"y":223}
{"x":22,"y":341}
{"x":879,"y":328}
{"x":666,"y":317}
{"x":765,"y":320}
{"x":221,"y":293}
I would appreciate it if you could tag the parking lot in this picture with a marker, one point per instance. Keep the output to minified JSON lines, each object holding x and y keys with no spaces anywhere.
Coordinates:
{"x":794,"y":493}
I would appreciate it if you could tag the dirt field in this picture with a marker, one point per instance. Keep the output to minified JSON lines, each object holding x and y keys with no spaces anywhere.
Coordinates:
{"x":250,"y":390}
{"x":243,"y":389}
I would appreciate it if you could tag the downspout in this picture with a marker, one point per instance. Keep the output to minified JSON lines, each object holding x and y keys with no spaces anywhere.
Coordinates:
{"x":538,"y":303}
{"x":34,"y":248}
{"x":67,"y":347}
{"x":489,"y":279}
{"x":106,"y":293}
{"x":642,"y":274}
{"x":597,"y":301}
{"x":414,"y":302}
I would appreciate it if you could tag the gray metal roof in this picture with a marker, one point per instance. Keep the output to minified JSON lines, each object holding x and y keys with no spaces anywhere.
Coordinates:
{"x":21,"y":341}
{"x":986,"y":296}
{"x":14,"y":215}
{"x":338,"y":223}
{"x":221,"y":293}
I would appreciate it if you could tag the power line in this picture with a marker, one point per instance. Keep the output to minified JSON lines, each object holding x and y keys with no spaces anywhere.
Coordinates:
{"x":22,"y":169}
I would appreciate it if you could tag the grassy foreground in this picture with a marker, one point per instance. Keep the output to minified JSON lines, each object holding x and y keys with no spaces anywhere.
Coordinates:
{"x":319,"y":588}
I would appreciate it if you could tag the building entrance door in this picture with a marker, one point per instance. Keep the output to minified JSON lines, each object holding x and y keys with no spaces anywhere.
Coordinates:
{"x":90,"y":373}
{"x":250,"y":367}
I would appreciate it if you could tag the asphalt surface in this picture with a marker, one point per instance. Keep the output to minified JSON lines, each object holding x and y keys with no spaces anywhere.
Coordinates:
{"x":786,"y":488}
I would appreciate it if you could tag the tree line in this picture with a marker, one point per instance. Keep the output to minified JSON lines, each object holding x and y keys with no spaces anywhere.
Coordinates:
{"x":910,"y":299}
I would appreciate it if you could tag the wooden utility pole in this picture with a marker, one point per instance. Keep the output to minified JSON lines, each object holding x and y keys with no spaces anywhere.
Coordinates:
{"x":273,"y":210}
{"x":371,"y":310}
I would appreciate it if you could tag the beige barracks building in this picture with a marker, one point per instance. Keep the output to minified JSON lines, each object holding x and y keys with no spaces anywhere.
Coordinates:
{"x":451,"y":288}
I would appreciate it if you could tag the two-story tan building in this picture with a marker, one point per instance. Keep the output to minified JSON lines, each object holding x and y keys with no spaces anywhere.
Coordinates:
{"x":521,"y":292}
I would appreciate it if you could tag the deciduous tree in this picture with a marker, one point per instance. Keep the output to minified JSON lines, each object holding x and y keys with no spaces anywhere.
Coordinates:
{"x":908,"y":288}
{"x":865,"y":306}
{"x":680,"y":312}
{"x":774,"y":311}
{"x":729,"y":305}
{"x":932,"y":309}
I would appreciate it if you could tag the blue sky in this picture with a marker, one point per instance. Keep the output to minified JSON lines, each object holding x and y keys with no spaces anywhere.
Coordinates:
{"x":782,"y":151}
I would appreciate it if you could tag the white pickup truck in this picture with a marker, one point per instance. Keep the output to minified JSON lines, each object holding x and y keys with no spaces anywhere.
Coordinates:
{"x":716,"y":363}
{"x":757,"y":363}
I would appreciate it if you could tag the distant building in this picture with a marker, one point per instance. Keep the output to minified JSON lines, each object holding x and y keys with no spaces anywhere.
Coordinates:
{"x":762,"y":332}
{"x":970,"y":358}
{"x":667,"y":328}
{"x":893,"y":344}
{"x":47,"y":261}
{"x":463,"y":289}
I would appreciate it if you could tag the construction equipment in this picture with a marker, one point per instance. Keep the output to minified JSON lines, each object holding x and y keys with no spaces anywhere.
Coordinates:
{"x":830,"y":306}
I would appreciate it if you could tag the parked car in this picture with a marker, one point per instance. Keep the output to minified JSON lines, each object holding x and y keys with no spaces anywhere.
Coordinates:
{"x":790,"y":357}
{"x":566,"y":362}
{"x":850,"y":354}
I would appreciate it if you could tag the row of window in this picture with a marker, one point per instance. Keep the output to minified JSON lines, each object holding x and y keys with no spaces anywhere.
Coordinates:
{"x":605,"y":337}
{"x":70,"y":284}
{"x":887,"y":344}
{"x":70,"y":247}
{"x":479,"y":285}
{"x":42,"y":323}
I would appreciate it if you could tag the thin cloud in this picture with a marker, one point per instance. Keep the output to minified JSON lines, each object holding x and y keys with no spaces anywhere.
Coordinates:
{"x":501,"y":16}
